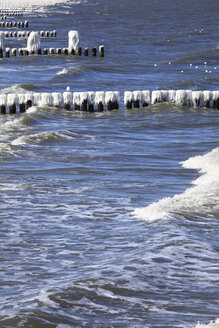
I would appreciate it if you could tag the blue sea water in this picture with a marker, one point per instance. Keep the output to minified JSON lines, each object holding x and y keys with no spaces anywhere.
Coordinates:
{"x":111,"y":219}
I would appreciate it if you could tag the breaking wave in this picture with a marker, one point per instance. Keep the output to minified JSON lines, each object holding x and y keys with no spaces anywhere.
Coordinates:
{"x":202,"y":196}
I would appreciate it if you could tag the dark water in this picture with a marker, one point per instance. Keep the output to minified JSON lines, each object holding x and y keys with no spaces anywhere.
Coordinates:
{"x":103,"y":221}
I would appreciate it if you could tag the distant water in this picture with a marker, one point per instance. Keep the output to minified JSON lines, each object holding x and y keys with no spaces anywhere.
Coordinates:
{"x":111,"y":219}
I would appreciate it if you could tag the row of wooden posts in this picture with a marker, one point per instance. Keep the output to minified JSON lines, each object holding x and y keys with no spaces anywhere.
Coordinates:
{"x":25,"y":34}
{"x":15,"y":24}
{"x":8,"y":52}
{"x":109,"y":100}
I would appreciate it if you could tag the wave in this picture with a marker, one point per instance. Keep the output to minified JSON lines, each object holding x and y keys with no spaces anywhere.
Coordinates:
{"x":37,"y":138}
{"x":202,"y":197}
{"x":73,"y":70}
{"x":19,"y":88}
{"x":212,"y":324}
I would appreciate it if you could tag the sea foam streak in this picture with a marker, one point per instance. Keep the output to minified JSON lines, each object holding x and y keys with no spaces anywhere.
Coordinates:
{"x":212,"y":324}
{"x":202,"y":197}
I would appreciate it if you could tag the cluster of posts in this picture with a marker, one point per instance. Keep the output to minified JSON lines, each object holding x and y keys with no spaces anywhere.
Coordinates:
{"x":85,"y":101}
{"x":109,"y":100}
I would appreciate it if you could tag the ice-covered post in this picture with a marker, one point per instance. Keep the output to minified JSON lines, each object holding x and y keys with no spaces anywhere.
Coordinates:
{"x":100,"y":100}
{"x":76,"y":100}
{"x":67,"y":99}
{"x":12,"y":100}
{"x":137,"y":98}
{"x":73,"y":42}
{"x":128,"y":98}
{"x":83,"y":101}
{"x":33,"y":42}
{"x":3,"y":103}
{"x":91,"y":101}
{"x":145,"y":95}
{"x":2,"y":38}
{"x":21,"y":101}
{"x":101,"y":51}
{"x":215,"y":99}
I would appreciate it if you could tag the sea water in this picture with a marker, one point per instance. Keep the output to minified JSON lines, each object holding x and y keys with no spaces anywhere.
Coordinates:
{"x":111,"y":219}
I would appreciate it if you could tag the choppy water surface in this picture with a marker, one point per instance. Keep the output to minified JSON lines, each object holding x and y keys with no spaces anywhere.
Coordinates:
{"x":111,"y":219}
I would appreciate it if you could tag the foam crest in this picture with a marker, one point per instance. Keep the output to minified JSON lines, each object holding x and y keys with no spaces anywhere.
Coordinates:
{"x":212,"y":324}
{"x":202,"y":196}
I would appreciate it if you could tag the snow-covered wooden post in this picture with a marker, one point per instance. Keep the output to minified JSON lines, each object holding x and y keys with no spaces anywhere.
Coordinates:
{"x":33,"y":42}
{"x":73,"y":42}
{"x":2,"y":38}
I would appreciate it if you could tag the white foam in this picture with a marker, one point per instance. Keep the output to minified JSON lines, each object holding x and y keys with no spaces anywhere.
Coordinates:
{"x":28,"y":5}
{"x":33,"y":41}
{"x":203,"y":196}
{"x":73,"y":40}
{"x":211,"y":324}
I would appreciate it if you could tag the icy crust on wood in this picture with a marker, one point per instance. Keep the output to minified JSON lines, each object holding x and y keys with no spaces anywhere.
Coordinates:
{"x":111,"y":99}
{"x":73,"y":40}
{"x":33,"y":42}
{"x":2,"y":39}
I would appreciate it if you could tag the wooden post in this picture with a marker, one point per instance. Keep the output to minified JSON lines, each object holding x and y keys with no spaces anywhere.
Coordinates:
{"x":79,"y":52}
{"x":12,"y":109}
{"x":45,"y":52}
{"x":84,"y":105}
{"x":39,"y":51}
{"x":94,"y":51}
{"x":42,"y":34}
{"x":15,"y":24}
{"x":21,"y":53}
{"x":91,"y":108}
{"x":22,"y":108}
{"x":59,"y":51}
{"x":1,"y":53}
{"x":77,"y":107}
{"x":14,"y":52}
{"x":52,"y":51}
{"x":68,"y":106}
{"x":129,"y":104}
{"x":11,"y":35}
{"x":3,"y":109}
{"x":29,"y":103}
{"x":72,"y":52}
{"x":86,"y":51}
{"x":65,"y":51}
{"x":26,"y":52}
{"x":136,"y":104}
{"x":100,"y":107}
{"x":7,"y":52}
{"x":101,"y":51}
{"x":15,"y":34}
